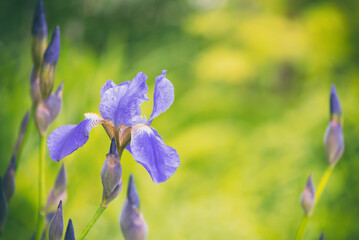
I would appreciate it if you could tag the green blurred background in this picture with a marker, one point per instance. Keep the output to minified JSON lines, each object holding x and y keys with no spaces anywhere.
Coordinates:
{"x":252,"y":82}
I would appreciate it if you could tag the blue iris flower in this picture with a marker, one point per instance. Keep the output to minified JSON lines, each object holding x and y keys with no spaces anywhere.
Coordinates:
{"x":121,"y":117}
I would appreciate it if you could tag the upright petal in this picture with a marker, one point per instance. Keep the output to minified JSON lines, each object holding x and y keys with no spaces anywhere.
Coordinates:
{"x":121,"y":104}
{"x":163,"y":96}
{"x":128,"y":110}
{"x":148,"y":149}
{"x":110,"y":98}
{"x":108,"y":84}
{"x":66,"y":139}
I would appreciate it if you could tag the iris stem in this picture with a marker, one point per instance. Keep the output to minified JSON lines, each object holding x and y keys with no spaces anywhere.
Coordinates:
{"x":41,"y":217}
{"x":321,"y":187}
{"x":302,"y":227}
{"x":92,"y":222}
{"x":323,"y":183}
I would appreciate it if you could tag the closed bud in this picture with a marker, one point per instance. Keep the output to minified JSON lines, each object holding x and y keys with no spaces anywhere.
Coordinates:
{"x":132,"y":222}
{"x":132,"y":194}
{"x":9,"y":179}
{"x":3,"y":207}
{"x":57,"y":224}
{"x":35,"y":88}
{"x":334,"y":142}
{"x":51,"y":56}
{"x":111,"y":174}
{"x":335,"y":108}
{"x":47,"y":111}
{"x":321,"y":236}
{"x":308,"y":196}
{"x":58,"y":192}
{"x":39,"y":36}
{"x":20,"y":137}
{"x":70,"y":233}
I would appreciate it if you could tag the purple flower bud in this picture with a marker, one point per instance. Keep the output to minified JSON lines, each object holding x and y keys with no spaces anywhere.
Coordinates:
{"x":308,"y":196}
{"x":51,"y":56}
{"x":53,"y":50}
{"x":335,"y":108}
{"x":20,"y":137}
{"x":39,"y":33}
{"x":133,"y":225}
{"x":132,"y":194}
{"x":321,"y":236}
{"x":334,"y":142}
{"x":3,"y":207}
{"x":39,"y":27}
{"x":57,"y":224}
{"x":111,"y":174}
{"x":70,"y":233}
{"x":9,"y":179}
{"x":58,"y":192}
{"x":35,"y":88}
{"x":48,"y":110}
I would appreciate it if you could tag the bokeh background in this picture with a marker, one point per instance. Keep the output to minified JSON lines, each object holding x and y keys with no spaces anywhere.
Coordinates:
{"x":252,"y":82}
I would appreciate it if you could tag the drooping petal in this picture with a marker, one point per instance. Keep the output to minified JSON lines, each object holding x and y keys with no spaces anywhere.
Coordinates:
{"x":163,"y":96}
{"x":66,"y":139}
{"x":148,"y":149}
{"x":121,"y":103}
{"x":128,"y":148}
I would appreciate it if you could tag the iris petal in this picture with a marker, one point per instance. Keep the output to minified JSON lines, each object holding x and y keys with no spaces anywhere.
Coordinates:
{"x":163,"y":96}
{"x":121,"y":103}
{"x":109,"y":101}
{"x":148,"y":149}
{"x":108,"y":84}
{"x":66,"y":139}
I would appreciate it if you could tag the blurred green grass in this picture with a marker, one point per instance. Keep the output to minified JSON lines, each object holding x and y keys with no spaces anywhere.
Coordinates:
{"x":252,"y":83}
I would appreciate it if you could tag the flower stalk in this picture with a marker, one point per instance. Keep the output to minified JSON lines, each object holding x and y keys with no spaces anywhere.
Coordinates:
{"x":323,"y":182}
{"x":92,"y":222}
{"x":41,"y":217}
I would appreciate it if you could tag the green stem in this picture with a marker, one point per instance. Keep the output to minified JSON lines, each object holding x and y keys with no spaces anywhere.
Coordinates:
{"x":41,"y":217}
{"x":321,"y":187}
{"x":323,"y":183}
{"x":302,"y":227}
{"x":92,"y":222}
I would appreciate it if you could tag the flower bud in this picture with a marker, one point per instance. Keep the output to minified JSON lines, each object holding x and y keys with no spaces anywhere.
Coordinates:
{"x":20,"y":137}
{"x":39,"y":36}
{"x":133,"y":225}
{"x":321,"y":236}
{"x":3,"y":207}
{"x":335,"y":108}
{"x":48,"y":110}
{"x":51,"y":56}
{"x":70,"y":233}
{"x":111,"y":174}
{"x":35,"y":88}
{"x":8,"y":181}
{"x":308,"y":196}
{"x":57,"y":224}
{"x":58,"y":192}
{"x":334,"y":142}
